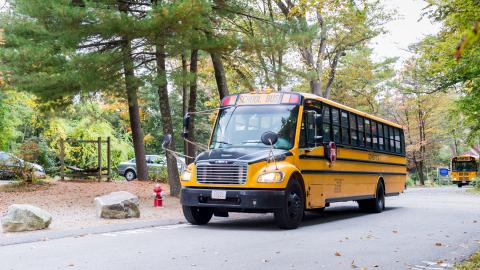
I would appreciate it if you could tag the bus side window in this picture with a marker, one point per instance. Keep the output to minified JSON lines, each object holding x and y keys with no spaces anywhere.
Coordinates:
{"x":402,"y":141}
{"x":392,"y":139}
{"x":336,"y":125}
{"x":368,"y":133}
{"x":397,"y":141}
{"x":353,"y":129}
{"x":387,"y":138}
{"x":361,"y":131}
{"x":311,"y":127}
{"x":344,"y":127}
{"x":381,"y":136}
{"x":374,"y":135}
{"x":326,"y":131}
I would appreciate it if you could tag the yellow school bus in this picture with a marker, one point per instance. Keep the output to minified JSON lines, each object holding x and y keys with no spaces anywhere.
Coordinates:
{"x":287,"y":153}
{"x":464,"y":169}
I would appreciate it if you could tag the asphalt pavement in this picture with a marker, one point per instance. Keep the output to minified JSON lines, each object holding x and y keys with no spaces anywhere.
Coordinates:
{"x":424,"y":228}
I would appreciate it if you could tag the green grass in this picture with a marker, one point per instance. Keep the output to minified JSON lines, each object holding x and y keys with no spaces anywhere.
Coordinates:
{"x":473,"y":263}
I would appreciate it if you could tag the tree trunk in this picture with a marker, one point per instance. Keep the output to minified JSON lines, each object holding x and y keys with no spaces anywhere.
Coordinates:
{"x":192,"y":102}
{"x":184,"y":97}
{"x":420,"y":171}
{"x":133,"y":108}
{"x":164,"y":104}
{"x":219,"y":74}
{"x":315,"y":87}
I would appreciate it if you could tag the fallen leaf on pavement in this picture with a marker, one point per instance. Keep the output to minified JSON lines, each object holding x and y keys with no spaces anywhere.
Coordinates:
{"x":338,"y":254}
{"x":438,"y":244}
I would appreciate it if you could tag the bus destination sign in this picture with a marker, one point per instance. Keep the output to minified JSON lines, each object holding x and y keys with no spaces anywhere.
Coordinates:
{"x":273,"y":98}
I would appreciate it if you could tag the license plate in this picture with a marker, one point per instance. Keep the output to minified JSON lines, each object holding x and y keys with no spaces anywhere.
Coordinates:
{"x":219,"y":194}
{"x":464,"y":182}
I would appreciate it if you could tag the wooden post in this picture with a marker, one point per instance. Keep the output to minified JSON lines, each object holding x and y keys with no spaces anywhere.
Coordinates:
{"x":62,"y":159}
{"x":109,"y":157}
{"x":99,"y":149}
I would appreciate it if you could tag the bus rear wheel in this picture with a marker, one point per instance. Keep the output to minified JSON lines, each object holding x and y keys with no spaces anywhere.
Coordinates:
{"x":374,"y":205}
{"x":291,"y":214}
{"x":197,"y":215}
{"x":459,"y":185}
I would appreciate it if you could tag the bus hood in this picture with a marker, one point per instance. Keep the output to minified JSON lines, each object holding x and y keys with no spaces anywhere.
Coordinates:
{"x":250,"y":155}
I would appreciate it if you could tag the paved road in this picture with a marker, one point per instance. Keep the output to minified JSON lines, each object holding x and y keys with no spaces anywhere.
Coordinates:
{"x":421,"y":229}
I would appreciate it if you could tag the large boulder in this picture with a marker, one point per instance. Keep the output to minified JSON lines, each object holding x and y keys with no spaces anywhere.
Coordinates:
{"x":25,"y":217}
{"x":119,"y":204}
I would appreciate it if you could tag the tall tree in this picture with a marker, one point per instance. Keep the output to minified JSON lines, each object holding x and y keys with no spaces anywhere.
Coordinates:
{"x":132,"y":98}
{"x":58,"y":49}
{"x":337,"y":27}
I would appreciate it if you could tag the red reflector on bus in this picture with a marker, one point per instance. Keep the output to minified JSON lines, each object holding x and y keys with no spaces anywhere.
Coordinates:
{"x":229,"y":100}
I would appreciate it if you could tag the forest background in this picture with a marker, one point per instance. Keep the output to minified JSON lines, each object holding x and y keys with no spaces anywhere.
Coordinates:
{"x":130,"y":70}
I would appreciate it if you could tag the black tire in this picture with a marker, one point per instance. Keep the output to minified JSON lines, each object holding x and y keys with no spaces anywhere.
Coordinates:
{"x":375,"y":205}
{"x":291,"y":214}
{"x":197,"y":215}
{"x":459,"y":185}
{"x":130,"y":175}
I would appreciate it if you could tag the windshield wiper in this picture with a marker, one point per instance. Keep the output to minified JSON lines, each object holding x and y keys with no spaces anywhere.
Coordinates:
{"x":252,"y":141}
{"x":222,"y":142}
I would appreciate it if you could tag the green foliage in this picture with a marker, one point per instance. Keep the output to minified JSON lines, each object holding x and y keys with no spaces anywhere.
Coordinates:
{"x":84,"y":122}
{"x":473,"y":263}
{"x":16,"y":115}
{"x":36,"y":150}
{"x":438,"y":55}
{"x":410,"y":181}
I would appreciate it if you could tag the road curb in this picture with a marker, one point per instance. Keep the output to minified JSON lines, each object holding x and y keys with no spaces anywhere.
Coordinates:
{"x":38,"y":236}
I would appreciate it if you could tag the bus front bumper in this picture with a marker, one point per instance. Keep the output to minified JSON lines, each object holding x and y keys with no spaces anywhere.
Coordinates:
{"x":236,"y":199}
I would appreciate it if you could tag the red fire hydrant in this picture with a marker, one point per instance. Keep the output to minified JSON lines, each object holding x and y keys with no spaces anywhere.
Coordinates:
{"x":159,"y":194}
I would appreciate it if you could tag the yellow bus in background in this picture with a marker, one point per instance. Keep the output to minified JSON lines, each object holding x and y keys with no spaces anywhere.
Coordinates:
{"x":464,"y":170}
{"x":286,"y":153}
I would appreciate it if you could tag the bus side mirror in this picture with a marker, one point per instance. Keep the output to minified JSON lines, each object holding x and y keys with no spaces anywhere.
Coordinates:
{"x":269,"y":138}
{"x":186,"y":125}
{"x":167,"y":139}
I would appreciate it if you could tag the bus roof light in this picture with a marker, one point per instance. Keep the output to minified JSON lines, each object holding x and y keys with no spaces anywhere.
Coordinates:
{"x":295,"y":99}
{"x":229,"y":100}
{"x":291,"y":99}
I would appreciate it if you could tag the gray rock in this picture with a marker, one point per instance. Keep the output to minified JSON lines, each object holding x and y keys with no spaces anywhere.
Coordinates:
{"x":119,"y":204}
{"x":25,"y":217}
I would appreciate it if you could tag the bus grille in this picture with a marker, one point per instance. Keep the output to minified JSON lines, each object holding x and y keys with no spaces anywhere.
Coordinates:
{"x":235,"y":173}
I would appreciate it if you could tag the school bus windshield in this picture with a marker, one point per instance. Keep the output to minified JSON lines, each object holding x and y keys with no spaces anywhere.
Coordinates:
{"x":243,"y":126}
{"x":464,"y":166}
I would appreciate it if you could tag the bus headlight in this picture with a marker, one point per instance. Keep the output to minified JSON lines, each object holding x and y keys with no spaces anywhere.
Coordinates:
{"x":270,"y":177}
{"x":186,"y":175}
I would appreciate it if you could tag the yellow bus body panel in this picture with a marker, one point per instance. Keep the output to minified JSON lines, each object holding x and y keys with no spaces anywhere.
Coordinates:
{"x":356,"y":172}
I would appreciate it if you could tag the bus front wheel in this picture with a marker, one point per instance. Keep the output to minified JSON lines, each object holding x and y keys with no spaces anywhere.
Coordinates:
{"x":291,"y":214}
{"x":197,"y":215}
{"x":374,"y":205}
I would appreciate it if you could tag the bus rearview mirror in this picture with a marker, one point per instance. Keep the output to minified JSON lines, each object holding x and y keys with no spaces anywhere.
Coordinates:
{"x":186,"y":125}
{"x":269,"y":138}
{"x":167,"y":139}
